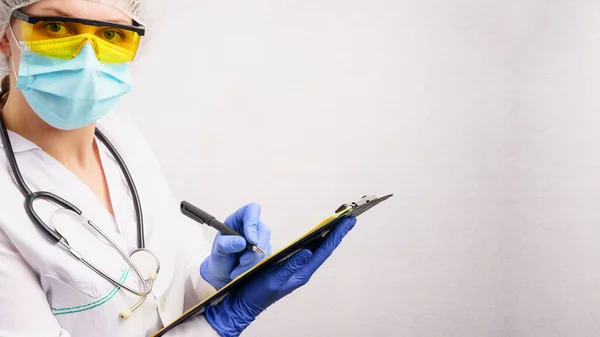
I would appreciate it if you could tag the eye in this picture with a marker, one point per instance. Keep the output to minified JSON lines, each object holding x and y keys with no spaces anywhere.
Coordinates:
{"x":56,"y":27}
{"x":112,"y":35}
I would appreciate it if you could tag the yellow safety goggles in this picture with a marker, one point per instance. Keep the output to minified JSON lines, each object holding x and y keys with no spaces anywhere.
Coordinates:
{"x":63,"y":37}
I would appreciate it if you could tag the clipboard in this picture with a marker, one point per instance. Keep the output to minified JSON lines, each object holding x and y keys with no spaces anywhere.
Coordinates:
{"x":310,"y":240}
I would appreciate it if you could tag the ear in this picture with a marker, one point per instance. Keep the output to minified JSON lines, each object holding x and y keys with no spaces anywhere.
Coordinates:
{"x":5,"y":44}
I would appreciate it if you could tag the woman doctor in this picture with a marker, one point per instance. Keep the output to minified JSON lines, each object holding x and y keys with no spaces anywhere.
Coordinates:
{"x":136,"y":265}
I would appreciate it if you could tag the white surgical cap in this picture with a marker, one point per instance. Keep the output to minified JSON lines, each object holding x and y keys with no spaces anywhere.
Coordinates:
{"x":146,"y":12}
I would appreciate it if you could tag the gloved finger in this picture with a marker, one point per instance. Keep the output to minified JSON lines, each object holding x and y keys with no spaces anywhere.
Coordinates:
{"x":335,"y":237}
{"x":332,"y":240}
{"x":228,"y":244}
{"x":251,"y":222}
{"x":243,"y":217}
{"x":269,"y":249}
{"x":264,"y":235}
{"x":294,"y":264}
{"x":248,"y":260}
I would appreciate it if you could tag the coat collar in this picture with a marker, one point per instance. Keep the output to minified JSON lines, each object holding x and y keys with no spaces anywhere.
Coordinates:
{"x":19,"y":143}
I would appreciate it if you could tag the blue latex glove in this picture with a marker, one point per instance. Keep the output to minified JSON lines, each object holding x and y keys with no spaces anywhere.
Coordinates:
{"x":232,"y":315}
{"x":229,"y":257}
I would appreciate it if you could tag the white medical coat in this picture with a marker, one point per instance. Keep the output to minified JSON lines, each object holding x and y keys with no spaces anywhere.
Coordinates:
{"x":45,"y":292}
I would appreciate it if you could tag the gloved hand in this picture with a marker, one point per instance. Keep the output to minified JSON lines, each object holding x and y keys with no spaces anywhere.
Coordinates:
{"x":229,"y":257}
{"x":232,"y":315}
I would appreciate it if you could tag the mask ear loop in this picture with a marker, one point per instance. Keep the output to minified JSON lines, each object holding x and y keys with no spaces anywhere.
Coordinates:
{"x":12,"y":63}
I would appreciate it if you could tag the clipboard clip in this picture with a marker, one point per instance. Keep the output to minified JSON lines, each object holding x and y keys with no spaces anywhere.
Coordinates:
{"x":360,"y":202}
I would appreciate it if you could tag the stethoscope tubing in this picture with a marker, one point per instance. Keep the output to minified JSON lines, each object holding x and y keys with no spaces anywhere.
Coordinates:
{"x":54,"y":236}
{"x":134,"y":193}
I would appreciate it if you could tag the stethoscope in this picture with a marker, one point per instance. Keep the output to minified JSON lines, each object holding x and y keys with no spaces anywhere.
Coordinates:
{"x":142,"y":256}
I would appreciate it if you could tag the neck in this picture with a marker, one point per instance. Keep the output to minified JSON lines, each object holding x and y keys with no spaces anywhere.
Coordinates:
{"x":72,"y":148}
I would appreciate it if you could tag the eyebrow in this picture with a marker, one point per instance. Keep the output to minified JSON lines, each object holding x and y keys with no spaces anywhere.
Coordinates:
{"x":69,"y":15}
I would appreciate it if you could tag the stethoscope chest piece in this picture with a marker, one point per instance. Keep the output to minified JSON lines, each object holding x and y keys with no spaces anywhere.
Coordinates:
{"x":146,"y":262}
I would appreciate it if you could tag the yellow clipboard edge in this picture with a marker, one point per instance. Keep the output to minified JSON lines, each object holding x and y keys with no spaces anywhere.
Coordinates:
{"x":317,"y":227}
{"x":225,"y":288}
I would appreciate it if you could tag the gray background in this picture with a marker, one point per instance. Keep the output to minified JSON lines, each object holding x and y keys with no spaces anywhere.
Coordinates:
{"x":481,"y":117}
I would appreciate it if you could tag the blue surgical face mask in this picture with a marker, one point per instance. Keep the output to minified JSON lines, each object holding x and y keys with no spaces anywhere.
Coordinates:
{"x":70,"y":94}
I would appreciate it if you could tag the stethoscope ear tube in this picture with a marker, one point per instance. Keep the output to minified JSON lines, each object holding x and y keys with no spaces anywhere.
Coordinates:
{"x":134,"y":193}
{"x":10,"y":155}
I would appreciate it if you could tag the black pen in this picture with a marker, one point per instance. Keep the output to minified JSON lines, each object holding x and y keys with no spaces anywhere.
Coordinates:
{"x":202,"y":217}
